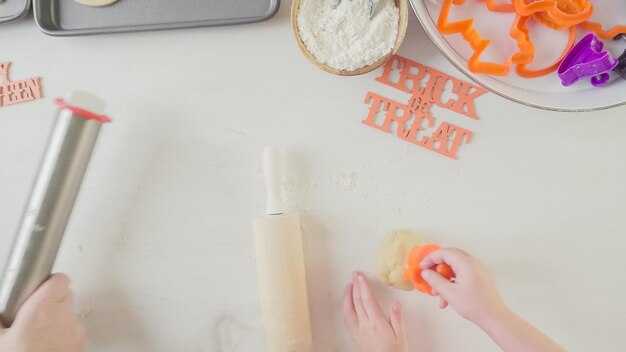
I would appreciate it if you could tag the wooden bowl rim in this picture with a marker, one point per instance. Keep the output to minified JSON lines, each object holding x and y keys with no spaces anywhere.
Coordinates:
{"x":402,"y":27}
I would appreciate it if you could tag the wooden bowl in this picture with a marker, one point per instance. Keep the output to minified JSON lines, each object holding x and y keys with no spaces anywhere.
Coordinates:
{"x":404,"y":19}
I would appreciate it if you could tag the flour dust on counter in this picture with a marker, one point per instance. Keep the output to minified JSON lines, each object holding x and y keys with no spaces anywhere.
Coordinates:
{"x":341,"y":34}
{"x":84,"y":313}
{"x":231,"y":334}
{"x":345,"y":181}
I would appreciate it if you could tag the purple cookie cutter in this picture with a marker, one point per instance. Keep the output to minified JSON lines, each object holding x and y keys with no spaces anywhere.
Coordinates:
{"x":587,"y":59}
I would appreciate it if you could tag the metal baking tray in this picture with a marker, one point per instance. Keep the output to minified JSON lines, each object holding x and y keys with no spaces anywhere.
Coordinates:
{"x":69,"y":18}
{"x":13,"y":10}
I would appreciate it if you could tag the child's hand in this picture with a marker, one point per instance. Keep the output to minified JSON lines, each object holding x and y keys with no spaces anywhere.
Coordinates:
{"x":371,"y":330}
{"x":46,"y":321}
{"x":473,"y":293}
{"x":475,"y":297}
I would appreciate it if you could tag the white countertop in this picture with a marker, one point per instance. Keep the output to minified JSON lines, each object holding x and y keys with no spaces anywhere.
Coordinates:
{"x":160,"y":246}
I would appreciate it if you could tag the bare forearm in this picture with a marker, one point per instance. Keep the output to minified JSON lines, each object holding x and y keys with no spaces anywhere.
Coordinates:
{"x":514,"y":334}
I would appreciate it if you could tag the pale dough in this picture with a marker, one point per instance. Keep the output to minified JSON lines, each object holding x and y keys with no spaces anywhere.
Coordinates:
{"x":96,"y":3}
{"x":391,"y":261}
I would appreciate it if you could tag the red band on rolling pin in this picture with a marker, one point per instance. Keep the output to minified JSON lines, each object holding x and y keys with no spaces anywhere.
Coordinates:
{"x":88,"y":115}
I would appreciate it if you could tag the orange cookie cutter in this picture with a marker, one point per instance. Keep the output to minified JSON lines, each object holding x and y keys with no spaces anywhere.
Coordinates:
{"x":565,"y":13}
{"x":596,"y":28}
{"x":558,"y":14}
{"x":471,"y":35}
{"x":495,"y":6}
{"x":521,"y":33}
{"x":524,"y":8}
{"x":413,"y":273}
{"x":518,"y":31}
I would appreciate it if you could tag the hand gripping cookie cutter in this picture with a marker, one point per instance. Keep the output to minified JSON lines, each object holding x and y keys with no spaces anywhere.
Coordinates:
{"x":587,"y":59}
{"x":413,"y":272}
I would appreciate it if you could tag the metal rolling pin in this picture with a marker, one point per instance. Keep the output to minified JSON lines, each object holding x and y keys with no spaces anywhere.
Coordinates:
{"x":51,"y":200}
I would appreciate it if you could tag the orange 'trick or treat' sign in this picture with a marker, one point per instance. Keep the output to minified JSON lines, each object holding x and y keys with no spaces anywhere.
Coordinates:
{"x":17,"y":91}
{"x":413,"y":273}
{"x":413,"y":121}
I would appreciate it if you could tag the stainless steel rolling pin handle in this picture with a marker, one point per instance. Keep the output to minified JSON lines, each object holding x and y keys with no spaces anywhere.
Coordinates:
{"x":51,"y":200}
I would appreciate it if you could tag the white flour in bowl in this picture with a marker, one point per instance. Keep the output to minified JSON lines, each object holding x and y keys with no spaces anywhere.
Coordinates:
{"x":341,"y":35}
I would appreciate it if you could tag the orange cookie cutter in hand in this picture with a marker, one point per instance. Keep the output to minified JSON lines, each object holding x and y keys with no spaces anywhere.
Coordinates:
{"x":413,"y":273}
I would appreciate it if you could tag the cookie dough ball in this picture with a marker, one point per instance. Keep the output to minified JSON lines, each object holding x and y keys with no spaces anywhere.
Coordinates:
{"x":391,"y":261}
{"x":96,"y":3}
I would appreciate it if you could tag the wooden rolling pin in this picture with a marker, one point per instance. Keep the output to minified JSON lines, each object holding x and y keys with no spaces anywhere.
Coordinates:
{"x":280,"y":268}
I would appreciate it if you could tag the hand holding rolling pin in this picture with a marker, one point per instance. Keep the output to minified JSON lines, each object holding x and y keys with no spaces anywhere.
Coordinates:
{"x":46,"y":321}
{"x":36,"y":313}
